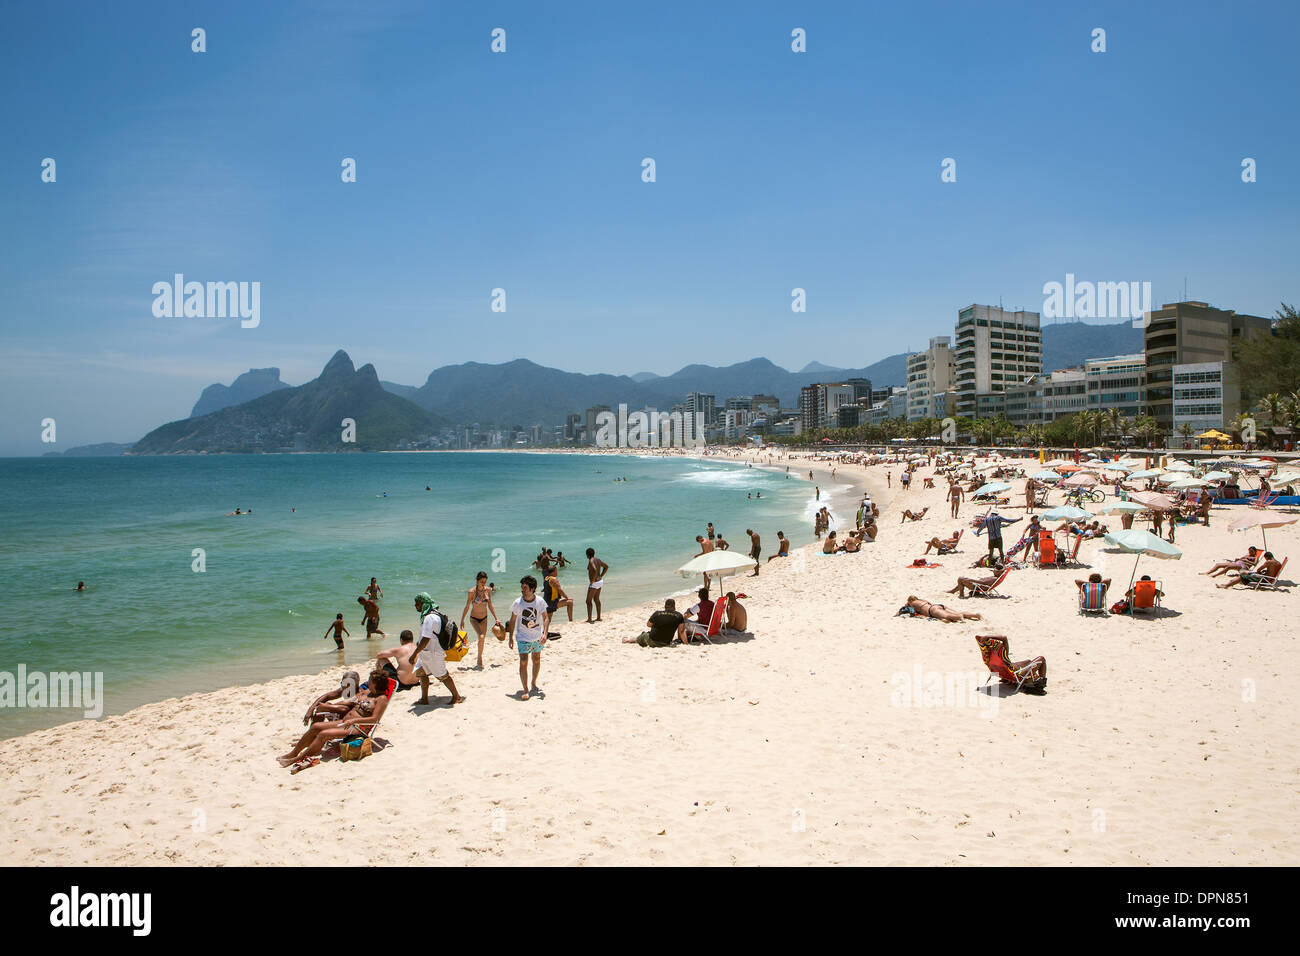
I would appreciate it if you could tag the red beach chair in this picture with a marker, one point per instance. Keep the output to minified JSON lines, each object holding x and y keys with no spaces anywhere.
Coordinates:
{"x":696,"y":629}
{"x":984,"y":590}
{"x":1029,"y":676}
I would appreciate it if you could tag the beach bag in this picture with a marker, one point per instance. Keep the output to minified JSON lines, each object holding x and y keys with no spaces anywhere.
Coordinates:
{"x":499,"y":631}
{"x":355,"y":749}
{"x":1119,"y":607}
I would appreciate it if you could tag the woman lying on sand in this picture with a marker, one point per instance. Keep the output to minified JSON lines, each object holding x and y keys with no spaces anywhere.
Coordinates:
{"x":909,"y":516}
{"x":915,"y":607}
{"x":365,"y":710}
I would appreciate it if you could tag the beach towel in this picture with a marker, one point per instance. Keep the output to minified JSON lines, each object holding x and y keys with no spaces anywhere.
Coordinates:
{"x":920,"y":563}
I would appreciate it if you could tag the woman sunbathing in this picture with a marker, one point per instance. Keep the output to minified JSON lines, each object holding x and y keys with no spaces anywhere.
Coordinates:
{"x":909,"y":516}
{"x":1243,"y":563}
{"x":365,"y":710}
{"x":920,"y":608}
{"x":943,"y":544}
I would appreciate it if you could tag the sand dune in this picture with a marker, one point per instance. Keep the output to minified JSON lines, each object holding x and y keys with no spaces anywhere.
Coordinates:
{"x":838,"y":733}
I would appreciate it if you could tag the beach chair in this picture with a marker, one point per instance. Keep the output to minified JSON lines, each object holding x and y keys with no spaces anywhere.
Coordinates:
{"x":362,"y":745}
{"x":1146,"y":597}
{"x":1261,"y":502}
{"x":696,"y":629}
{"x":1046,"y":553}
{"x":1269,"y":581}
{"x":955,"y":541}
{"x":1092,"y":599}
{"x":1029,"y":676}
{"x":984,"y":590}
{"x":1070,"y":559}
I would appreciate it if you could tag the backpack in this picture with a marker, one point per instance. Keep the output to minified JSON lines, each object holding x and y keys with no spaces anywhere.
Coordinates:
{"x":447,"y":636}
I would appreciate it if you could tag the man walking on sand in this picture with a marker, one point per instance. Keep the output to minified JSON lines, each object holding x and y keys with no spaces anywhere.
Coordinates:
{"x":596,"y":570}
{"x":755,"y":549}
{"x":429,"y":657}
{"x":529,"y":620}
{"x":956,"y":495}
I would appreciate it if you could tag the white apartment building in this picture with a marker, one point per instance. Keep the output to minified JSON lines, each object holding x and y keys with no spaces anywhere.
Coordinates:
{"x":928,"y":373}
{"x":994,"y":349}
{"x":1202,"y":391}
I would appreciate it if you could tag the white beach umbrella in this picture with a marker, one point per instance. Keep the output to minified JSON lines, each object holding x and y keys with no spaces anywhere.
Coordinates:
{"x":1122,"y":507}
{"x":1285,"y":477}
{"x":1261,"y":518}
{"x":1178,"y":484}
{"x":1046,"y":475}
{"x":992,"y":488}
{"x":1135,"y":541}
{"x":1180,"y":466}
{"x":717,"y":563}
{"x":1065,"y":513}
{"x":1149,"y":473}
{"x":1216,"y":476}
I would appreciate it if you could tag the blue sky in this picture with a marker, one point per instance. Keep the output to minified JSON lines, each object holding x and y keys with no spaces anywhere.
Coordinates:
{"x":522,"y":171}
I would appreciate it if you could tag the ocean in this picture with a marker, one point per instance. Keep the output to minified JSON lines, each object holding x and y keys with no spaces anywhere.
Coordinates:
{"x":134,"y":529}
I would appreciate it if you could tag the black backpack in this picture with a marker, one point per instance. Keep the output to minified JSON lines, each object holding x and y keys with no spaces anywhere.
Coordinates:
{"x":447,"y":636}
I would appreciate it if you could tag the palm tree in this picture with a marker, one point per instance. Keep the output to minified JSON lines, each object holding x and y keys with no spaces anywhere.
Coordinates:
{"x":1186,"y":430}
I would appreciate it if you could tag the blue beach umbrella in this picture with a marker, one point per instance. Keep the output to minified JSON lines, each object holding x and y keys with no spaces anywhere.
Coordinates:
{"x":992,"y":488}
{"x":1046,"y":475}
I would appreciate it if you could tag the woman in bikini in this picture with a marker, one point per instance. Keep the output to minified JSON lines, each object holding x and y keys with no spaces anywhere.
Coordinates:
{"x":922,"y":608}
{"x":480,"y":599}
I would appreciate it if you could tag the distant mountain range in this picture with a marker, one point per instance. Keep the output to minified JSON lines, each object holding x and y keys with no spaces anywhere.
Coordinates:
{"x":307,"y":418}
{"x":254,"y":383}
{"x":259,"y":412}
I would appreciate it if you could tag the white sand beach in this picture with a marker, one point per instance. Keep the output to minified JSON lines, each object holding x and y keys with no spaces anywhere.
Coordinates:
{"x":1159,"y":741}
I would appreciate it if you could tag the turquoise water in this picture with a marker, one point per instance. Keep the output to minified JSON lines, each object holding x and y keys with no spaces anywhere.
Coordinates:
{"x":275,"y":579}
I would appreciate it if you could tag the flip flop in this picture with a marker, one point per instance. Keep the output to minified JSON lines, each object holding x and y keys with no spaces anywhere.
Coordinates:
{"x":304,"y":763}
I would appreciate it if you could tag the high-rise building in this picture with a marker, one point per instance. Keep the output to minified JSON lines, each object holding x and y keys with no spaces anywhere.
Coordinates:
{"x":592,"y":427}
{"x":704,"y":406}
{"x":994,"y":348}
{"x":1192,"y":333}
{"x":1117,"y":382}
{"x":928,"y":372}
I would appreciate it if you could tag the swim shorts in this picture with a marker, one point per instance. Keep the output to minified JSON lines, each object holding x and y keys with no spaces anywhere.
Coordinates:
{"x":529,"y":647}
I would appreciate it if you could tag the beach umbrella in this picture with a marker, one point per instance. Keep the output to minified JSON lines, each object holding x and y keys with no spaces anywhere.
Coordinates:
{"x":1178,"y":484}
{"x":1216,"y":476}
{"x":1149,"y":473}
{"x":1261,"y":518}
{"x":1065,"y":513}
{"x":1122,"y":507}
{"x":1080,"y":480}
{"x":717,"y":563}
{"x":1180,"y":466}
{"x":1057,"y":463}
{"x":1139,"y":542}
{"x":992,"y":488}
{"x":1153,"y":500}
{"x":1285,"y":477}
{"x":1046,"y":475}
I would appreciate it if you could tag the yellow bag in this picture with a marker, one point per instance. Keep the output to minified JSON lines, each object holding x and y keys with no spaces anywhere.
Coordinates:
{"x":355,"y":749}
{"x":460,"y":649}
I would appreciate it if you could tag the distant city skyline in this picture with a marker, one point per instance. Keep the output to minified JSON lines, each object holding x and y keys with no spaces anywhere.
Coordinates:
{"x":522,"y":171}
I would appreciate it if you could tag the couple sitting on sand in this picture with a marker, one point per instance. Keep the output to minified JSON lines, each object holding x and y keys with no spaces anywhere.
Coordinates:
{"x":668,"y":626}
{"x":339,"y":715}
{"x":852,"y":541}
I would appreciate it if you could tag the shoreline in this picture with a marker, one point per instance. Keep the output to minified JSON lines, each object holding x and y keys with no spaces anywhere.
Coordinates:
{"x":834,"y":714}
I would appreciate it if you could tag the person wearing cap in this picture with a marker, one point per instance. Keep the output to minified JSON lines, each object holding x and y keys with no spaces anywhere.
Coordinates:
{"x":322,"y":707}
{"x":429,"y":657}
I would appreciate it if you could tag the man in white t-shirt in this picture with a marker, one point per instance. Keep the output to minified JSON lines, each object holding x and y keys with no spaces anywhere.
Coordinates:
{"x":429,"y":657}
{"x":530,"y":620}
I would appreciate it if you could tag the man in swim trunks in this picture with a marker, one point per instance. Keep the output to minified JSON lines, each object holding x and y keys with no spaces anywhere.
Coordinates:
{"x":334,"y":702}
{"x":755,"y":549}
{"x":1270,"y":568}
{"x":401,"y":660}
{"x":965,"y":584}
{"x":371,"y":619}
{"x":737,"y":616}
{"x":596,"y":570}
{"x":430,"y":659}
{"x":956,"y":496}
{"x":923,"y":608}
{"x":784,"y":550}
{"x":365,"y":710}
{"x":529,"y":621}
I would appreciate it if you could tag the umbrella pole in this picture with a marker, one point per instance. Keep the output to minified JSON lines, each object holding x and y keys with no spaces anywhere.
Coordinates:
{"x":1133,"y":576}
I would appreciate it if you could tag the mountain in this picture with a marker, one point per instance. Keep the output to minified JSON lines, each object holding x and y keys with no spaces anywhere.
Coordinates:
{"x":522,"y":393}
{"x":254,"y":383}
{"x":1070,"y":343}
{"x":307,"y":418}
{"x":643,"y":376}
{"x":106,"y":449}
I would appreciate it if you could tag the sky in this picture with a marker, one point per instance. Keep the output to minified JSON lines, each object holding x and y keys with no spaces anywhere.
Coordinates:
{"x":523,"y":171}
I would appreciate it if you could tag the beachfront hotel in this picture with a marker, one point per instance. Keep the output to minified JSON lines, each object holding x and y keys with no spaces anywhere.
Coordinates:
{"x":994,"y":349}
{"x":1190,"y":340}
